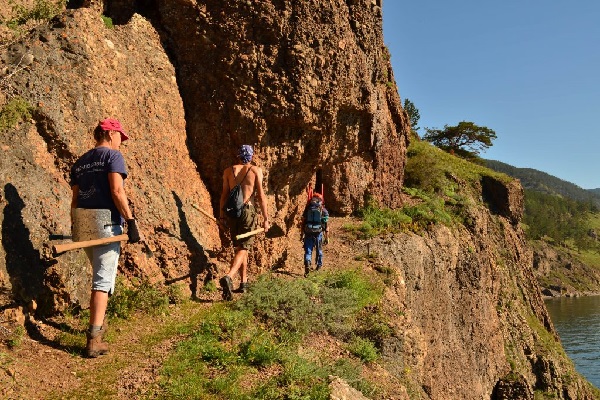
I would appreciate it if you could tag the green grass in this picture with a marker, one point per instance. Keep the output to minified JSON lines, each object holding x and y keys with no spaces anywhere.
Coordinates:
{"x":443,"y":187}
{"x":436,"y":171}
{"x":363,"y":349}
{"x":262,"y":333}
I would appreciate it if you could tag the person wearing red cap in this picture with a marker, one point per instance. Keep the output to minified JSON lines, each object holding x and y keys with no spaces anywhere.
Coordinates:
{"x":314,"y":223}
{"x":97,"y":182}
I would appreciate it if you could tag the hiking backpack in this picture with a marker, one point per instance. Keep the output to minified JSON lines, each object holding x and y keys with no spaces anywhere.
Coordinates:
{"x":313,"y":216}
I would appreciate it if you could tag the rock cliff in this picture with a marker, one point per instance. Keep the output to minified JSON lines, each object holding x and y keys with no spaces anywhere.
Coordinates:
{"x":310,"y":85}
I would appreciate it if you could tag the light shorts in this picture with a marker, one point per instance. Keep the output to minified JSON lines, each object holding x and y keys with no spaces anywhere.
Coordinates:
{"x":105,"y":260}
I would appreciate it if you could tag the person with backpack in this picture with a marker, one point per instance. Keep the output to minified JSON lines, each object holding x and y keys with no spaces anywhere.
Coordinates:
{"x":240,"y":182}
{"x":315,"y":232}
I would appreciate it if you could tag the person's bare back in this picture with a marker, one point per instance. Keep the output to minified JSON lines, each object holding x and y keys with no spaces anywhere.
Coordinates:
{"x":248,"y":174}
{"x":251,"y":177}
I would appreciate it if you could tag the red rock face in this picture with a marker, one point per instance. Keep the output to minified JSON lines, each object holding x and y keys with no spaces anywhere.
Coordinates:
{"x":307,"y":83}
{"x":83,"y":72}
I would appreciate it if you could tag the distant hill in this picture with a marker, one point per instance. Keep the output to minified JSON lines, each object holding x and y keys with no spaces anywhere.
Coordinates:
{"x":539,"y":181}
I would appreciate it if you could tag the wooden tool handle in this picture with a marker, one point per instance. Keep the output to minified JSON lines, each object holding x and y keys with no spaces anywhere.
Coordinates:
{"x":59,"y":248}
{"x":251,"y":233}
{"x":223,"y":227}
{"x":207,"y":214}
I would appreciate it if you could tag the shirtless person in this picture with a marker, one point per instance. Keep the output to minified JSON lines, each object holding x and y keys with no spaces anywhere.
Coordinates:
{"x":251,"y":178}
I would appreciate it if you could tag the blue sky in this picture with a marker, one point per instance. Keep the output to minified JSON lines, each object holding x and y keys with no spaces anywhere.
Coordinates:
{"x":529,"y":70}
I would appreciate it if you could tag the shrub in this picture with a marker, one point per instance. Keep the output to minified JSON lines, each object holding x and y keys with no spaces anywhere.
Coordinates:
{"x":16,"y":337}
{"x":42,"y":10}
{"x":143,"y":298}
{"x":363,"y":349}
{"x":108,"y":22}
{"x":263,"y":330}
{"x":16,"y":110}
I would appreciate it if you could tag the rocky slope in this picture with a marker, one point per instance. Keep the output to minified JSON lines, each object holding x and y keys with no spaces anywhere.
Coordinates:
{"x":310,"y":85}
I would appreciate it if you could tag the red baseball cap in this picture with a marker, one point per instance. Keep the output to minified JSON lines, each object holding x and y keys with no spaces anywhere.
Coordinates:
{"x":111,"y":124}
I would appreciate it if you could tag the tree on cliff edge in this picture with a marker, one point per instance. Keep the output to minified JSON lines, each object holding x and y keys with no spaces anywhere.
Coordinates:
{"x":413,"y":115}
{"x":466,"y":139}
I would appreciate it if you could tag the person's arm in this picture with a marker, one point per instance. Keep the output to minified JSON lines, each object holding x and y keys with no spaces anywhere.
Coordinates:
{"x":262,"y":198}
{"x":325,"y":221}
{"x":224,"y":193}
{"x":75,"y":189}
{"x":117,"y":191}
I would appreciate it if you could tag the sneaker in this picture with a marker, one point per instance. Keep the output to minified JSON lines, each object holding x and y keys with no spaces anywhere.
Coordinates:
{"x":227,"y":286}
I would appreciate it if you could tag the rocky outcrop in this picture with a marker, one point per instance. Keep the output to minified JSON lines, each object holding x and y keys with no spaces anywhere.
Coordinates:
{"x":308,"y":83}
{"x":561,"y":274}
{"x":472,"y":323}
{"x":504,"y":197}
{"x":82,"y":72}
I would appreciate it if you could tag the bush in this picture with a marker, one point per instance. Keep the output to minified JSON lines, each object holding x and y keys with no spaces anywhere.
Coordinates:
{"x":263,"y":330}
{"x":326,"y":301}
{"x":13,"y":112}
{"x":363,"y":349}
{"x":42,"y":10}
{"x":108,"y":22}
{"x":16,"y":337}
{"x":145,"y":298}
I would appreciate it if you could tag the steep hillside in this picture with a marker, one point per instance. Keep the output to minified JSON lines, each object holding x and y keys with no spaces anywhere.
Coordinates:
{"x":542,"y":182}
{"x":310,"y":85}
{"x":561,"y":266}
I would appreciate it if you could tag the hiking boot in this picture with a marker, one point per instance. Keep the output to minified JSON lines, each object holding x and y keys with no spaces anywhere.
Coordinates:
{"x":243,"y":288}
{"x":227,"y":286}
{"x":318,"y":267}
{"x":306,"y":268}
{"x":95,"y":346}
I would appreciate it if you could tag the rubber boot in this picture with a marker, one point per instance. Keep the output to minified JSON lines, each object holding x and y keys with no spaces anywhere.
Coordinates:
{"x":306,"y":268}
{"x":95,"y":346}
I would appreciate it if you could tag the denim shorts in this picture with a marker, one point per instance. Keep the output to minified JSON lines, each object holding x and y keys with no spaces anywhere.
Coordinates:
{"x":105,"y":260}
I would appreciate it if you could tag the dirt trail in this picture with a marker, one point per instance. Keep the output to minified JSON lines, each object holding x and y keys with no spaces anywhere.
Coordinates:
{"x":43,"y":368}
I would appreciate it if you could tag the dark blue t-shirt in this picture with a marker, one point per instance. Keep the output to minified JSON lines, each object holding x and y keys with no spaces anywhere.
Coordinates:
{"x":90,"y":173}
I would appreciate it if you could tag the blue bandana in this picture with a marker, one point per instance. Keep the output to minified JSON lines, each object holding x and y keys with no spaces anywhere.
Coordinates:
{"x":245,"y":153}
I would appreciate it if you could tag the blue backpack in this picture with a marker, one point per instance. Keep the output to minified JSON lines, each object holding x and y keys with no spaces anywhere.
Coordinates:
{"x":313,"y":217}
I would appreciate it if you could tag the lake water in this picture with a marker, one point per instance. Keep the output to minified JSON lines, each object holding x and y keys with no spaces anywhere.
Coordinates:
{"x":577,"y":320}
